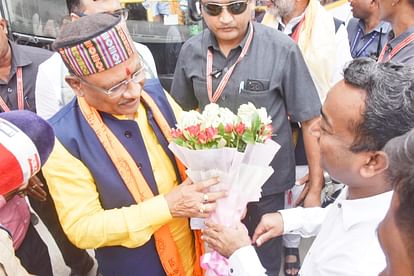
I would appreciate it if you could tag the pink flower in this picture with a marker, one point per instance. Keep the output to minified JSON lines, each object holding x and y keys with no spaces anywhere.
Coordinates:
{"x":176,"y":133}
{"x":211,"y":132}
{"x":228,"y":128}
{"x":202,"y":137}
{"x":240,"y":128}
{"x":193,"y":130}
{"x":266,"y":131}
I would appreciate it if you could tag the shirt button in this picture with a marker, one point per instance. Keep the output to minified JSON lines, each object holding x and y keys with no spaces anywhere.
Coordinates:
{"x":9,"y":90}
{"x":223,"y":98}
{"x":231,"y":270}
{"x":128,"y":134}
{"x":339,"y":205}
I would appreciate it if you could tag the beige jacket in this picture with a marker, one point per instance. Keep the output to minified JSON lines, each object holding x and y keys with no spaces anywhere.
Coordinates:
{"x":9,"y":263}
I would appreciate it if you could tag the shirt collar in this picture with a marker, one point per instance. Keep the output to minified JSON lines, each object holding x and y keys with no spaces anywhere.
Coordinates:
{"x":19,"y":58}
{"x":393,"y":41}
{"x":289,"y":27}
{"x":364,"y":209}
{"x":383,"y":27}
{"x":212,"y":41}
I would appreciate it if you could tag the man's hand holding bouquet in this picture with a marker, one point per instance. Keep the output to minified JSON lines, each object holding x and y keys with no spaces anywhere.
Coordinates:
{"x":235,"y":148}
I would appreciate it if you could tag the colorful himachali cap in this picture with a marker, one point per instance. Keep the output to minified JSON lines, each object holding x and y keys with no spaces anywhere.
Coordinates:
{"x":89,"y":49}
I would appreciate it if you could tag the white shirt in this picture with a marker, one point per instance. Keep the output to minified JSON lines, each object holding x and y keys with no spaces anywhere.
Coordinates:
{"x":245,"y":262}
{"x":52,"y":92}
{"x":346,"y":242}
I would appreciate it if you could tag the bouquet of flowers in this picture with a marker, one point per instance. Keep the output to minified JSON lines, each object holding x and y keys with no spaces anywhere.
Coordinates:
{"x":235,"y":148}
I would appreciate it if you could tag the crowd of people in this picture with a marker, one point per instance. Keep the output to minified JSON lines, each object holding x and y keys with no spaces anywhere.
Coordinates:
{"x":341,"y":99}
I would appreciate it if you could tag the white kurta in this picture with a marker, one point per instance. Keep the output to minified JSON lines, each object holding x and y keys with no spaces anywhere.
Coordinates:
{"x":346,"y":242}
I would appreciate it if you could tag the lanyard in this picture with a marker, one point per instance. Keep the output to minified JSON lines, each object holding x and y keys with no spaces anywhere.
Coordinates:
{"x":396,"y":49}
{"x":226,"y":77}
{"x":295,"y":35}
{"x":20,"y":103}
{"x":355,"y":42}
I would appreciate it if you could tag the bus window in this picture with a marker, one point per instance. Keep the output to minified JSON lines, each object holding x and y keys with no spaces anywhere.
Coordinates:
{"x":36,"y":17}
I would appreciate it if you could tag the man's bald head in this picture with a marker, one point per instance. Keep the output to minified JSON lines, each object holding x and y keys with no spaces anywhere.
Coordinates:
{"x":88,"y":7}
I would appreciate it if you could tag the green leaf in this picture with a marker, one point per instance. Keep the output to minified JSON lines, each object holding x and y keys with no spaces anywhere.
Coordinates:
{"x":248,"y":137}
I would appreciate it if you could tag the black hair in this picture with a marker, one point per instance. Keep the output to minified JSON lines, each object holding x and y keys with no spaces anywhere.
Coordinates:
{"x":400,"y":152}
{"x":74,"y":6}
{"x":389,"y":101}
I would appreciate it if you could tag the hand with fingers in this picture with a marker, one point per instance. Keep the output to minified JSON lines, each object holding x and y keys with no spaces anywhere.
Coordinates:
{"x":302,"y":181}
{"x":190,"y":199}
{"x":225,"y":240}
{"x":308,"y":198}
{"x":35,"y":190}
{"x":270,"y":226}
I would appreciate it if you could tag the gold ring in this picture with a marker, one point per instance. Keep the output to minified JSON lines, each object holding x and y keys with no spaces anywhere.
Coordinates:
{"x":202,"y":209}
{"x":205,"y":198}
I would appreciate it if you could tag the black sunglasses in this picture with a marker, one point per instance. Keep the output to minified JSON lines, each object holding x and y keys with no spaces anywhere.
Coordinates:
{"x":215,"y":9}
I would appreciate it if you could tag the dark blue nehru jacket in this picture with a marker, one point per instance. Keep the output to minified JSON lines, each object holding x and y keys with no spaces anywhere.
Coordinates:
{"x":79,"y":139}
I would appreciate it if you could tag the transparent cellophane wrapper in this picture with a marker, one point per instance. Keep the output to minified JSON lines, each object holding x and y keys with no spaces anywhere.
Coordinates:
{"x":241,"y":174}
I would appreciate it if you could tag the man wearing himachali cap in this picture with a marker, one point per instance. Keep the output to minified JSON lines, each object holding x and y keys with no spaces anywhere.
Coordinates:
{"x":111,"y":175}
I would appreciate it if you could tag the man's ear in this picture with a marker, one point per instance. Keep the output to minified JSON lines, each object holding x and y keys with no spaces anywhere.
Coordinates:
{"x":74,"y":16}
{"x":3,"y":25}
{"x":376,"y":163}
{"x":75,"y":84}
{"x":374,"y":3}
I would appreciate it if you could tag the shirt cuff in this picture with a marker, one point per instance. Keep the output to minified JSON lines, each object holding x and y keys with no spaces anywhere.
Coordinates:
{"x":291,"y":219}
{"x":244,"y":261}
{"x":158,"y":207}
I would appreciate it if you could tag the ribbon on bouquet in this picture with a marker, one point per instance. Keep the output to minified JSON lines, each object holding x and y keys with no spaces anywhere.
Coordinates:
{"x":213,"y":261}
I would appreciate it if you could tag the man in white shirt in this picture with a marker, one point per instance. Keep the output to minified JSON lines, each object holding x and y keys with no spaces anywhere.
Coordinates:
{"x":52,"y":92}
{"x":373,"y":104}
{"x":323,"y":41}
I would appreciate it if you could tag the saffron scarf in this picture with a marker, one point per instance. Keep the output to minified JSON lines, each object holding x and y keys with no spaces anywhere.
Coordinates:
{"x":136,"y":183}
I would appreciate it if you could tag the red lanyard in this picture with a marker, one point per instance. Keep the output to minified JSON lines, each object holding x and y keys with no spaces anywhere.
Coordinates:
{"x":226,"y":77}
{"x":295,"y":35}
{"x":396,"y":49}
{"x":20,"y":103}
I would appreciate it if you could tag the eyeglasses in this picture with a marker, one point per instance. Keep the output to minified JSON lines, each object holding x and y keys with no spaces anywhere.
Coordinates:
{"x":123,"y":13}
{"x":235,"y":8}
{"x":121,"y":87}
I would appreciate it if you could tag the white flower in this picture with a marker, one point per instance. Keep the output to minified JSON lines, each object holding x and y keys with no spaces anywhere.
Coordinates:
{"x":189,"y":118}
{"x":246,"y":112}
{"x":264,"y":118}
{"x":211,"y":115}
{"x":211,"y":109}
{"x":210,"y":121}
{"x":227,"y":117}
